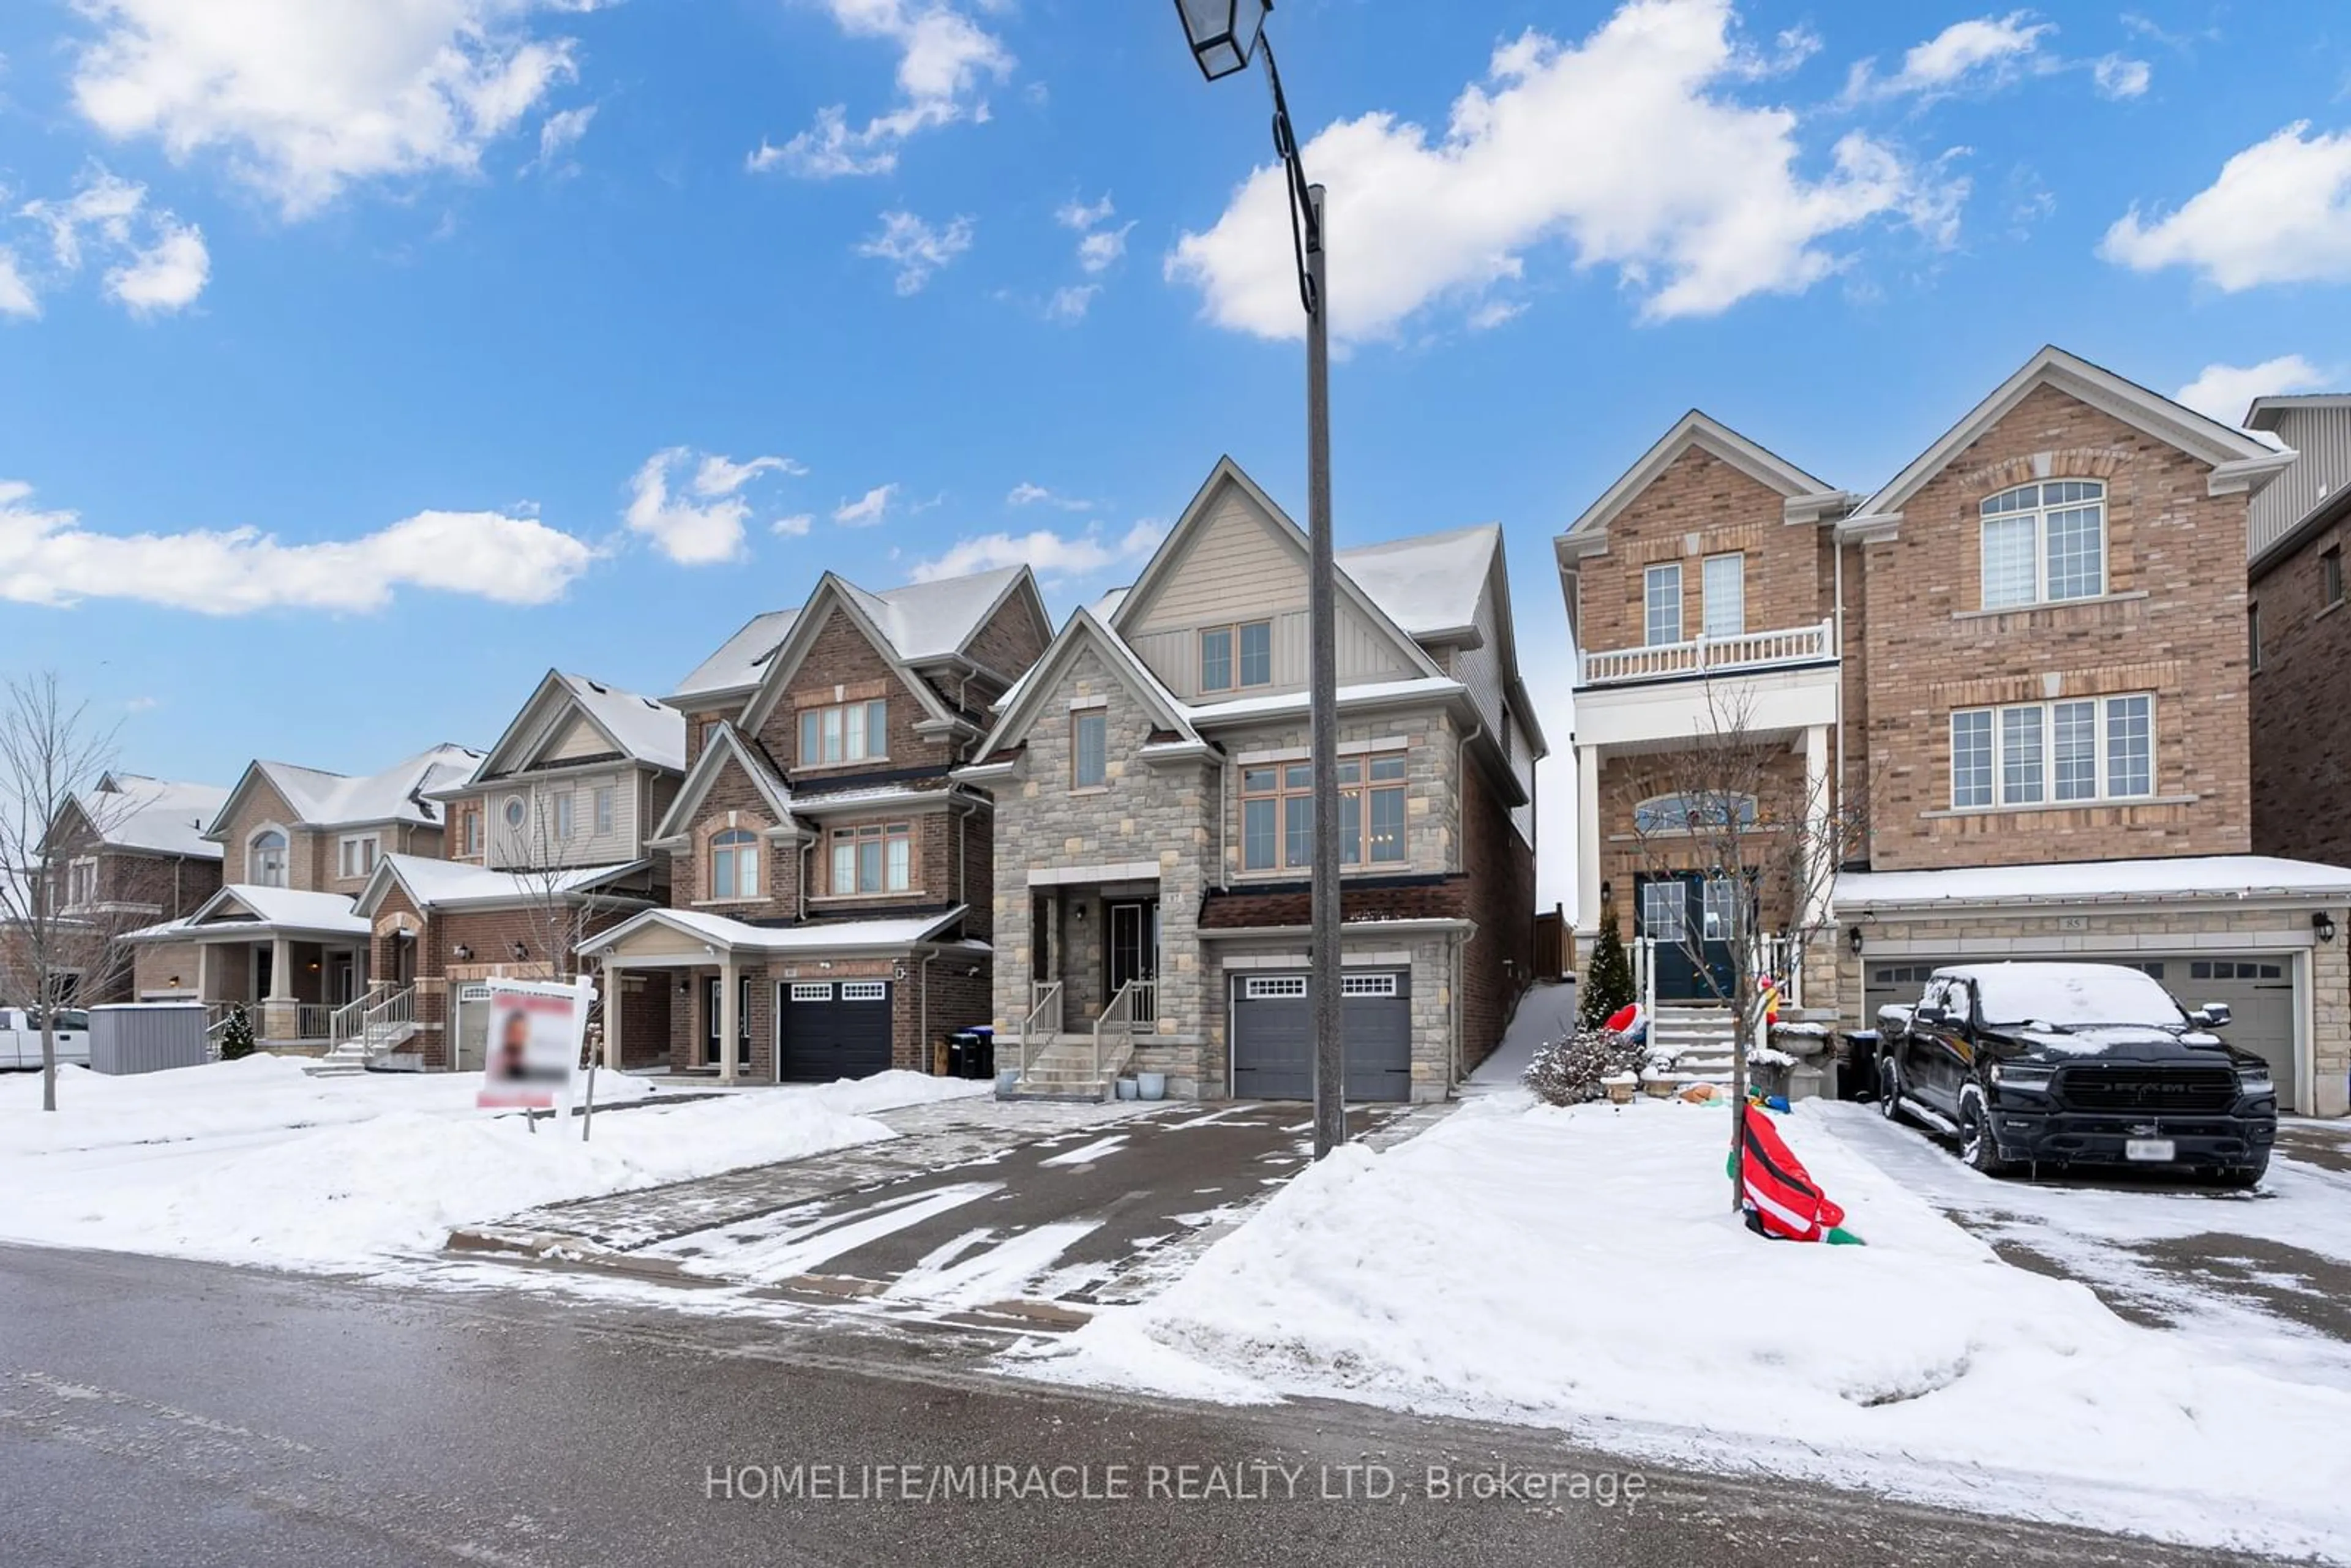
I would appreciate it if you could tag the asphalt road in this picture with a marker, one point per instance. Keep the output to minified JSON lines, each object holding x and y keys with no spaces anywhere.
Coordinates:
{"x":154,"y":1411}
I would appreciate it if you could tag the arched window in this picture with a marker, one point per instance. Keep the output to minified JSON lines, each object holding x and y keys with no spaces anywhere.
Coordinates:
{"x":2044,"y":542}
{"x":264,"y":859}
{"x":735,"y":864}
{"x":1688,"y":814}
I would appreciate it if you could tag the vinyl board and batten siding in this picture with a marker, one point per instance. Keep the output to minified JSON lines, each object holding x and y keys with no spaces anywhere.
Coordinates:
{"x":2323,"y":437}
{"x":1364,"y":655}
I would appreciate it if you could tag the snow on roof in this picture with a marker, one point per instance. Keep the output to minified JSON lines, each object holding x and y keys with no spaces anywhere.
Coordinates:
{"x":395,"y":795}
{"x":930,"y":620}
{"x":1429,"y":582}
{"x":287,"y":906}
{"x":136,"y":812}
{"x":818,"y":937}
{"x":438,"y":881}
{"x":648,"y":730}
{"x":2184,"y":877}
{"x":1280,"y":701}
{"x":742,"y":658}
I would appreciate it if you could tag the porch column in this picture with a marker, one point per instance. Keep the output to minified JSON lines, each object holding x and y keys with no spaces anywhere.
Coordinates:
{"x":281,"y":970}
{"x":1587,"y":838}
{"x":612,"y":1010}
{"x":730,"y":1026}
{"x":203,"y":971}
{"x":1817,"y":788}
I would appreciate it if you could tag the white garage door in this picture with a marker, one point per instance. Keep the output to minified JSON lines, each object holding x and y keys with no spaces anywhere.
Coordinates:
{"x":2259,"y":991}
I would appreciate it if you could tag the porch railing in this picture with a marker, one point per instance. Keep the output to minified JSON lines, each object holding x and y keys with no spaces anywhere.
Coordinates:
{"x":313,"y":1020}
{"x":1146,"y":1000}
{"x":1036,"y":1034}
{"x":386,"y":1019}
{"x":1777,"y":957}
{"x":1699,"y":656}
{"x":1115,"y":1029}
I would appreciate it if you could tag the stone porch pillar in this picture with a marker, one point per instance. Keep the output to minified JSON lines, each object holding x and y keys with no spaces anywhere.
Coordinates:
{"x":730,"y":1026}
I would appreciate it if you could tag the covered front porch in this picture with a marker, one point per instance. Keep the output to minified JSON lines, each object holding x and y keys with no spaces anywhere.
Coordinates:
{"x":290,"y":960}
{"x":1094,"y":1001}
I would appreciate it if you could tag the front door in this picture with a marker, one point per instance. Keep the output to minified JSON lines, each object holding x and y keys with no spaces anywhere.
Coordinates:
{"x":1688,"y":917}
{"x":1134,"y":952}
{"x":346,"y":979}
{"x":710,"y":1021}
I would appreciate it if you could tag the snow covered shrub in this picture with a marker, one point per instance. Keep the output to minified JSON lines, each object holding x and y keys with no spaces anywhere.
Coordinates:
{"x":1607,"y":977}
{"x":1569,"y":1071}
{"x":236,"y":1037}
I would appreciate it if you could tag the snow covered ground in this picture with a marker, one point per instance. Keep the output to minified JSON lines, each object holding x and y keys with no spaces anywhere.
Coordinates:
{"x":258,"y":1162}
{"x":1637,"y":1312}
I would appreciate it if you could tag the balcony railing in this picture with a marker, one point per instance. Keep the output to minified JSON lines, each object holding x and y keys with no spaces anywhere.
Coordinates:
{"x":1708,"y":656}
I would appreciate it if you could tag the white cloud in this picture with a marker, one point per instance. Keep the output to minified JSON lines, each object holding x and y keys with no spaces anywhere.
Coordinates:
{"x":2279,"y":213}
{"x":2226,"y":392}
{"x":558,"y":134}
{"x":162,"y":265}
{"x":304,"y":97}
{"x":945,"y":60}
{"x":1050,"y":554}
{"x":1097,"y":251}
{"x":1085,"y":216}
{"x":1975,"y":55}
{"x":916,"y":248}
{"x":1027,"y":495}
{"x":696,"y":532}
{"x":2118,"y":75}
{"x":17,"y":295}
{"x":1697,"y":203}
{"x":868,"y":509}
{"x":1071,"y":302}
{"x":47,"y":557}
{"x":795,"y":527}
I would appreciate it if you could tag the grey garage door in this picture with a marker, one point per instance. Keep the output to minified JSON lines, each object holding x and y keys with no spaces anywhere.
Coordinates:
{"x":1273,"y":1036}
{"x":832,"y":1029}
{"x":2259,"y":991}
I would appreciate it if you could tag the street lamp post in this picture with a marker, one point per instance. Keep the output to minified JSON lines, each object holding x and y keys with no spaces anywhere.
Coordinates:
{"x":1224,"y":34}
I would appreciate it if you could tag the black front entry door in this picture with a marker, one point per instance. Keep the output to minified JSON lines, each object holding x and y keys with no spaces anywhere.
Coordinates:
{"x":710,"y":1024}
{"x":1134,"y":950}
{"x":1688,"y":918}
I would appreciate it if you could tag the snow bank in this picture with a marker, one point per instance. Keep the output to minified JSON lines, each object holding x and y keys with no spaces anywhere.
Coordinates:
{"x":1637,"y":1310}
{"x":255,"y":1162}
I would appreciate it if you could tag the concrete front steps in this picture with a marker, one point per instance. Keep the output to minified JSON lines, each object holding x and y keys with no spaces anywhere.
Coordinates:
{"x":1699,"y":1039}
{"x":1065,"y":1072}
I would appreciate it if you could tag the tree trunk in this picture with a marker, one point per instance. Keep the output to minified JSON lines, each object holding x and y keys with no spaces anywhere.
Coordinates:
{"x":48,"y":1058}
{"x":1738,"y":1028}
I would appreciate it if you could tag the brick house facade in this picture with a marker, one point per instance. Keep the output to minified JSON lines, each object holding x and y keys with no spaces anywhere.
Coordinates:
{"x":2026,"y":650}
{"x":130,"y":854}
{"x":2299,"y":636}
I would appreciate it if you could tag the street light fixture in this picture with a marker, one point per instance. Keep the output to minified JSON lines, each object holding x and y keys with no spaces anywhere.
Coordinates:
{"x":1224,"y":34}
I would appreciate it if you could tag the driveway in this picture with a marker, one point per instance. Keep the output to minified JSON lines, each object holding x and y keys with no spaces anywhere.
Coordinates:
{"x":2263,"y":1278}
{"x":1014,"y":1216}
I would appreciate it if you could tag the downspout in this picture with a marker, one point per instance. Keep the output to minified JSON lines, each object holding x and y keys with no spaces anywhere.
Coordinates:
{"x":1836,"y":615}
{"x":922,"y":1013}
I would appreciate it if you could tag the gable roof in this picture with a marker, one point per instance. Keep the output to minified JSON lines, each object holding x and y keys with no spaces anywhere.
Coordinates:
{"x":1429,"y":584}
{"x":2240,"y":462}
{"x":637,"y":727}
{"x":726,"y":743}
{"x":740,"y":660}
{"x":835,"y":593}
{"x":287,"y":908}
{"x":401,"y":793}
{"x":438,"y":884}
{"x":133,"y":811}
{"x":1019,"y":708}
{"x":1697,"y":428}
{"x":706,"y":929}
{"x":1229,"y":474}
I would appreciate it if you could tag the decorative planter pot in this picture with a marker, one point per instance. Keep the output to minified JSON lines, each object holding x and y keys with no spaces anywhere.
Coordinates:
{"x":1620,"y":1089}
{"x":1128,"y":1088}
{"x":1663,"y":1088}
{"x":1151,"y":1085}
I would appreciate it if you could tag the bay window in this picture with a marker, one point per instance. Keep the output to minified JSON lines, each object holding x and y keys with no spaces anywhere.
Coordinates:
{"x":2077,"y":750}
{"x":1278,"y":813}
{"x":844,"y":732}
{"x":2045,"y":543}
{"x":876,"y":857}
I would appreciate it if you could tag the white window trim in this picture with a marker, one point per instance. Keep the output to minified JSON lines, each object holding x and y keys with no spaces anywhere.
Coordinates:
{"x":350,"y":841}
{"x":2040,"y":518}
{"x":286,"y":853}
{"x":864,"y":991}
{"x":1273,"y":988}
{"x":1706,"y":594}
{"x":2100,"y":746}
{"x":1649,"y":575}
{"x":604,"y":805}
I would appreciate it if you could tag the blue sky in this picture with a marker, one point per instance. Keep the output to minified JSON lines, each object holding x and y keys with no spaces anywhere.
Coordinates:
{"x":523,"y":333}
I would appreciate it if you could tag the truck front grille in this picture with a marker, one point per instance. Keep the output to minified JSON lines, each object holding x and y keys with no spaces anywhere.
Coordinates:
{"x":2117,"y":1086}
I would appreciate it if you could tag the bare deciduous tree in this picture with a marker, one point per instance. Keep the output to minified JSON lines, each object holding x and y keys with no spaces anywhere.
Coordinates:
{"x":1764,"y":831}
{"x":545,"y":862}
{"x":58,"y":940}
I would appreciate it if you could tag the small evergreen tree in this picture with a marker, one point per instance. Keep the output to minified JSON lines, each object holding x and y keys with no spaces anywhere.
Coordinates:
{"x":1608,"y":978}
{"x":236,"y":1037}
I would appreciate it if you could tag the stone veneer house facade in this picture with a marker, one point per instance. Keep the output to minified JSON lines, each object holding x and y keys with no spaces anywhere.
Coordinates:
{"x":546,"y":844}
{"x":2023,"y":659}
{"x":831,"y":904}
{"x":1150,"y":832}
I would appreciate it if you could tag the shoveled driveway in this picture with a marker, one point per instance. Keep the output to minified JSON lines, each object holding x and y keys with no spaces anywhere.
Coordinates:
{"x":980,"y":1214}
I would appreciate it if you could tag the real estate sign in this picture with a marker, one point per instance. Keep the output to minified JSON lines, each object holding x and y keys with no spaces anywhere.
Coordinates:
{"x":536,"y":1029}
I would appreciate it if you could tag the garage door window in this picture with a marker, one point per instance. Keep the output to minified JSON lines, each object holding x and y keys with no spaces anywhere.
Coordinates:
{"x":1276,"y":987}
{"x":2226,"y":969}
{"x":818,"y":992}
{"x":1368,"y":986}
{"x":864,"y":990}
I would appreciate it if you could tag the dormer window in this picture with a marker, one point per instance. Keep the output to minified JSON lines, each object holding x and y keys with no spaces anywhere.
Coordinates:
{"x":1237,"y":656}
{"x":847,"y":732}
{"x":735,"y":864}
{"x":2045,"y":543}
{"x":264,"y":859}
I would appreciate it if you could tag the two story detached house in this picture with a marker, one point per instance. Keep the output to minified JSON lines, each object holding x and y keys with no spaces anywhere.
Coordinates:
{"x":829,"y":881}
{"x":1153,"y":830}
{"x":2025,"y":654}
{"x":546,"y":844}
{"x":133,"y":855}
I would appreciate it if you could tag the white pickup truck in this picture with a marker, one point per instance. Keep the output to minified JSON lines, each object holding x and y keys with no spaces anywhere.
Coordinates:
{"x":20,"y":1037}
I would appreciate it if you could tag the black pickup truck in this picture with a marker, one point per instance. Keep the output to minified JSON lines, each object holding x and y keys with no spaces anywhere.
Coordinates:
{"x":2059,"y":1064}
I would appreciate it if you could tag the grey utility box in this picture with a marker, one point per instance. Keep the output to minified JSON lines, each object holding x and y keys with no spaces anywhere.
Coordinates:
{"x":146,"y":1037}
